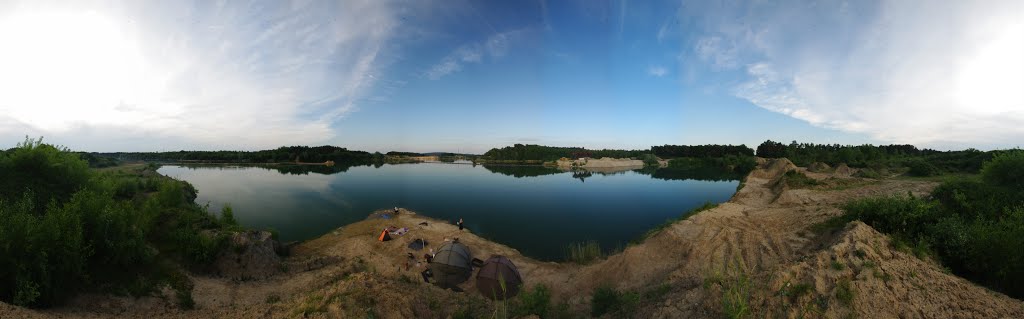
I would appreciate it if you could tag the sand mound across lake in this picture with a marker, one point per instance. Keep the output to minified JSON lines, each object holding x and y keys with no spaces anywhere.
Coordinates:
{"x":760,"y":243}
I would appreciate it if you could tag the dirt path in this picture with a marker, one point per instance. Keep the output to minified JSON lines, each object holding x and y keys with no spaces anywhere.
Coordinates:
{"x":759,"y":243}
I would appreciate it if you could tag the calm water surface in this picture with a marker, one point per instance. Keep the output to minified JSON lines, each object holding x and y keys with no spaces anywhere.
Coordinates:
{"x":536,"y":210}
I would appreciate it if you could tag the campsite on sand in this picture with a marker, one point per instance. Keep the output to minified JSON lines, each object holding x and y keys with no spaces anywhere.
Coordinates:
{"x":762,"y":245}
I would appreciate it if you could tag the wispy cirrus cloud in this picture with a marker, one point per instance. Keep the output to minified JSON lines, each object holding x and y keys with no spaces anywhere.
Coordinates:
{"x":494,"y":47}
{"x":212,"y":75}
{"x":658,"y":71}
{"x":935,"y":74}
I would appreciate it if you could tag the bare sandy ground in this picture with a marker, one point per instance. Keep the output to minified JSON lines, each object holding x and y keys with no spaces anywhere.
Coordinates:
{"x":759,"y":243}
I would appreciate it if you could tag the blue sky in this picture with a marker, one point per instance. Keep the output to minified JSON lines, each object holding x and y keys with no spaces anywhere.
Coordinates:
{"x":466,"y":76}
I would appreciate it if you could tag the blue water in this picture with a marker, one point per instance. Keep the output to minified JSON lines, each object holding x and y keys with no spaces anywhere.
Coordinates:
{"x":536,"y":210}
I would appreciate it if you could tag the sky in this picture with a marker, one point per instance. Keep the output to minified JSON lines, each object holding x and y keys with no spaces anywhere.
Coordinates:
{"x":466,"y":76}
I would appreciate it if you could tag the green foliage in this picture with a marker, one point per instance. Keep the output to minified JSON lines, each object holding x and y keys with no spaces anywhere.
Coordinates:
{"x":520,"y":152}
{"x":918,"y":167}
{"x":844,"y":292}
{"x":65,"y":229}
{"x":702,"y":151}
{"x":306,"y":154}
{"x":584,"y":253}
{"x":536,"y":301}
{"x":650,"y":160}
{"x":878,"y":158}
{"x":795,"y":179}
{"x":227,"y":216}
{"x":50,"y":173}
{"x":1005,"y":170}
{"x":607,"y":299}
{"x":737,"y":165}
{"x":974,"y":227}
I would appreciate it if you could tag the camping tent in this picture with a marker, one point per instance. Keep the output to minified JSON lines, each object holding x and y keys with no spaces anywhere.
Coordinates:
{"x":417,"y":244}
{"x":384,"y":236}
{"x":451,"y":265}
{"x":496,"y":270}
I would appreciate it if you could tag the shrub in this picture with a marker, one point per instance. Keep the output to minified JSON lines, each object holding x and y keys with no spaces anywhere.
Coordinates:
{"x":795,"y":179}
{"x":536,"y":301}
{"x":1005,"y":170}
{"x":921,"y":168}
{"x":607,"y":300}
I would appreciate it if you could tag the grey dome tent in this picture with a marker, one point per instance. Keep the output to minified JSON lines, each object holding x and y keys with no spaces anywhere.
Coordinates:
{"x":451,"y":265}
{"x":496,"y":271}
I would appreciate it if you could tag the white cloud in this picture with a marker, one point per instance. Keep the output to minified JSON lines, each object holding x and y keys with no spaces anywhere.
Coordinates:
{"x":233,"y":76}
{"x":495,"y":46}
{"x":946,"y":74}
{"x":657,"y":71}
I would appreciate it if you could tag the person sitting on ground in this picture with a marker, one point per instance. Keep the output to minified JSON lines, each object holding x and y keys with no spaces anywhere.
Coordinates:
{"x":460,"y":224}
{"x":426,"y":275}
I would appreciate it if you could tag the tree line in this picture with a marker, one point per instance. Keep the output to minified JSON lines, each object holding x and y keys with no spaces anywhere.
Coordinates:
{"x":922,"y":162}
{"x":305,"y":154}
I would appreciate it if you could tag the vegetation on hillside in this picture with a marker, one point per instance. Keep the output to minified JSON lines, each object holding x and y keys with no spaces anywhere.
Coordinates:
{"x":880,"y":159}
{"x":65,"y":228}
{"x":973,"y":226}
{"x":701,"y":151}
{"x":520,"y":152}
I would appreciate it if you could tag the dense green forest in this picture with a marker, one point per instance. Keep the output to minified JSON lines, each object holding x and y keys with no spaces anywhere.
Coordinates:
{"x":701,"y":151}
{"x":521,"y":152}
{"x":882,"y":158}
{"x":306,"y":154}
{"x":972,"y":225}
{"x":66,"y":228}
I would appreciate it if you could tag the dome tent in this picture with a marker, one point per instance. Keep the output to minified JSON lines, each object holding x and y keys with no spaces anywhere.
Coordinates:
{"x":451,"y":265}
{"x":499,"y":278}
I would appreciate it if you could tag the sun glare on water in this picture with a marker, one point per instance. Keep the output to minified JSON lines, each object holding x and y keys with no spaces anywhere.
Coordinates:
{"x":64,"y":68}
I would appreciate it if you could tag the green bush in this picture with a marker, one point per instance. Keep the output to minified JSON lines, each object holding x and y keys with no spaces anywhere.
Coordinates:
{"x":919,"y":167}
{"x":66,"y":229}
{"x":1005,"y":170}
{"x":974,"y":227}
{"x":536,"y":301}
{"x":609,"y":300}
{"x":795,"y":179}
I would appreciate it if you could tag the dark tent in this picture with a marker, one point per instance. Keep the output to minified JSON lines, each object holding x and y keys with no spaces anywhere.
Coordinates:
{"x":451,"y":265}
{"x":496,"y":270}
{"x":384,"y":236}
{"x":418,"y":244}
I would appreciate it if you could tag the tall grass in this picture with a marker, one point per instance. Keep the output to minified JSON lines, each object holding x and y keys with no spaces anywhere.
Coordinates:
{"x":584,"y":253}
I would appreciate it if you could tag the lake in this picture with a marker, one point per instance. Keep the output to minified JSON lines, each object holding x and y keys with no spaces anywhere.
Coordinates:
{"x":537,"y":210}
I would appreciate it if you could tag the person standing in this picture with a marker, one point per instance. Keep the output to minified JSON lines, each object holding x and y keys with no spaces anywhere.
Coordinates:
{"x":460,"y":224}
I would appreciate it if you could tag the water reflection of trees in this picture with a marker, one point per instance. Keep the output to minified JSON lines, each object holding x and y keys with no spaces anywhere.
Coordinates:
{"x":702,"y":174}
{"x":522,"y":171}
{"x":287,"y":169}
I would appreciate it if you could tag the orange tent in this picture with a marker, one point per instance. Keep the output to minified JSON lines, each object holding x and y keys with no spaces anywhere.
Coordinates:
{"x":384,"y":236}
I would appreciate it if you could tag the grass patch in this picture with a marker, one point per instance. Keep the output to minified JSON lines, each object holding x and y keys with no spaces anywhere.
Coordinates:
{"x":836,"y":265}
{"x":272,"y":299}
{"x":796,"y":179}
{"x":584,"y":253}
{"x":844,"y":292}
{"x":609,"y":300}
{"x":669,"y":222}
{"x":794,"y":292}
